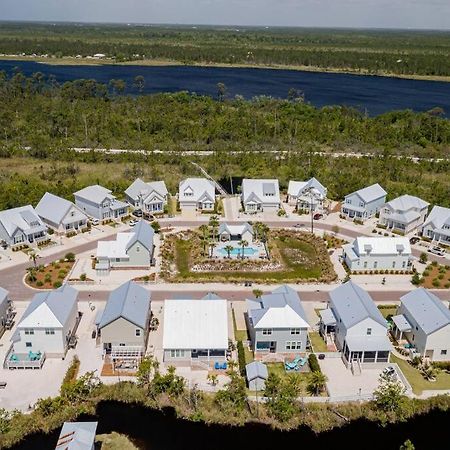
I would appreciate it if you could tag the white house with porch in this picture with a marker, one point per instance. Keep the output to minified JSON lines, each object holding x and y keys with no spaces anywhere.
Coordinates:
{"x":150,"y":197}
{"x":60,"y":214}
{"x":437,"y":225}
{"x":196,"y":194}
{"x":240,"y":232}
{"x":260,"y":195}
{"x":22,"y":226}
{"x":360,"y":330}
{"x":424,"y":321}
{"x":364,"y":203}
{"x":378,"y":253}
{"x":195,"y":332}
{"x":404,"y":214}
{"x":307,"y":194}
{"x":98,"y":202}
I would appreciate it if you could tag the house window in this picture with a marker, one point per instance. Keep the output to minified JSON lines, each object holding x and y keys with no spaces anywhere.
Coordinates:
{"x":138,"y":249}
{"x":365,"y":264}
{"x":266,"y":332}
{"x":293,"y":345}
{"x":369,"y":331}
{"x":403,"y":264}
{"x":177,"y":353}
{"x":117,"y":259}
{"x":28,"y":344}
{"x":443,"y":352}
{"x":295,"y":330}
{"x":137,"y":332}
{"x":375,"y":264}
{"x":393,"y":264}
{"x":49,"y":331}
{"x":29,"y":331}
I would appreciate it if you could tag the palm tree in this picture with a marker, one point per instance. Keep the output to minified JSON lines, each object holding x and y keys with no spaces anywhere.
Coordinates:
{"x":214,"y":224}
{"x":257,"y":227}
{"x":229,"y":248}
{"x":204,"y":238}
{"x":257,"y":293}
{"x":243,"y":244}
{"x":31,"y":274}
{"x":263,"y":232}
{"x":212,"y":244}
{"x":33,"y":256}
{"x":317,"y":382}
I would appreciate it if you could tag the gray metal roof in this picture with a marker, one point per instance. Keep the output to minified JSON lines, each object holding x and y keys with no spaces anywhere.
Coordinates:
{"x":407,"y":202}
{"x":211,"y":296}
{"x":353,"y":304}
{"x":59,"y":301}
{"x":257,"y":189}
{"x":426,"y":309}
{"x":371,"y":193}
{"x":327,"y":316}
{"x":54,"y":208}
{"x":368,"y":343}
{"x":94,"y":193}
{"x":143,"y":233}
{"x":401,"y":322}
{"x":77,"y":436}
{"x":20,"y":218}
{"x":232,"y":229}
{"x":139,"y":187}
{"x":3,"y":295}
{"x":438,"y":217}
{"x":256,"y":369}
{"x":129,"y":301}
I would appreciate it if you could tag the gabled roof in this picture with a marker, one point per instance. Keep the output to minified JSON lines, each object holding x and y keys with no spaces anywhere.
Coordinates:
{"x":280,"y":309}
{"x":264,"y":190}
{"x":139,"y":187}
{"x":50,"y":309}
{"x":297,"y":188}
{"x":95,"y":193}
{"x":406,"y":202}
{"x":234,"y":230}
{"x":199,"y":187}
{"x":438,"y":217}
{"x":3,"y":295}
{"x":54,"y":208}
{"x":381,"y":245}
{"x":20,"y":218}
{"x":426,"y":309}
{"x":352,"y":305}
{"x":195,"y":324}
{"x":77,"y":436}
{"x":370,"y":193}
{"x":129,"y":301}
{"x":211,"y":296}
{"x":256,"y":369}
{"x":144,"y":233}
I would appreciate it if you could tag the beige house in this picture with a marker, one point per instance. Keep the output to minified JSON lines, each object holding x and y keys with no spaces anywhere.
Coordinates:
{"x":123,"y":326}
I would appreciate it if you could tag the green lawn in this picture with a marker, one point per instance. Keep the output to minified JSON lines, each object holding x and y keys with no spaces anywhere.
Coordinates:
{"x":417,"y":381}
{"x":387,"y":310}
{"x":115,"y":441}
{"x":278,"y":369}
{"x":318,"y":344}
{"x":302,"y":260}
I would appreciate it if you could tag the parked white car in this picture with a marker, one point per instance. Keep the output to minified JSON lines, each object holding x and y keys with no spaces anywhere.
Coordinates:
{"x":437,"y":251}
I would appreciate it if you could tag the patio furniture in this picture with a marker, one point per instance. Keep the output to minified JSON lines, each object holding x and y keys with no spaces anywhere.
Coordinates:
{"x":293,"y":365}
{"x":224,"y":366}
{"x":217,"y":365}
{"x":3,"y":384}
{"x":14,"y":357}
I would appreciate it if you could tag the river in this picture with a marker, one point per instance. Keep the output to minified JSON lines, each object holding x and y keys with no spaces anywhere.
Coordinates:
{"x":371,"y":94}
{"x":155,"y":430}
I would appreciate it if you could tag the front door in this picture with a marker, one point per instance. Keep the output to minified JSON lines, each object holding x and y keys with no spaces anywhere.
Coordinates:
{"x":273,"y":347}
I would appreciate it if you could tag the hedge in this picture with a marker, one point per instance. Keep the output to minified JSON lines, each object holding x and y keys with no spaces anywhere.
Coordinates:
{"x":241,"y":357}
{"x":313,"y":363}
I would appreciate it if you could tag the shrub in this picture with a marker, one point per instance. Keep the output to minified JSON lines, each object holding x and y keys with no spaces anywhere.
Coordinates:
{"x":441,"y":276}
{"x":70,"y":257}
{"x":47,"y":278}
{"x":314,"y":363}
{"x":241,"y":357}
{"x":434,"y":263}
{"x":436,"y":283}
{"x":447,"y":285}
{"x":83,"y":277}
{"x":415,"y":279}
{"x":39,"y":283}
{"x":57,"y":284}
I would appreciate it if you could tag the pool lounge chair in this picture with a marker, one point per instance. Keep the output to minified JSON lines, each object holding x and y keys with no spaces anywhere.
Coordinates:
{"x":293,"y":365}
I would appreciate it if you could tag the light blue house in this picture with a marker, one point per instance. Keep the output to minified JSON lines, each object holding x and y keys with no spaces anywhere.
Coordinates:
{"x":364,"y":203}
{"x":98,"y":202}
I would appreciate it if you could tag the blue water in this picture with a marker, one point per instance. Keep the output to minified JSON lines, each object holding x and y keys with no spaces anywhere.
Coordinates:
{"x":372,"y":94}
{"x":248,"y":251}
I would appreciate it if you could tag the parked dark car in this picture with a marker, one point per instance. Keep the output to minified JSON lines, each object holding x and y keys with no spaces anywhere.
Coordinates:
{"x":414,"y":240}
{"x":137,"y":213}
{"x":318,"y":216}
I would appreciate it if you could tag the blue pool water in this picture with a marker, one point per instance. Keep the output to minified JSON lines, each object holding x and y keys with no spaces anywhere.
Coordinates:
{"x":248,"y":251}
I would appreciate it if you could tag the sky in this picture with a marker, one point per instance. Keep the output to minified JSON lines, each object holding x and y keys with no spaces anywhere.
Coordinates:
{"x":431,"y":14}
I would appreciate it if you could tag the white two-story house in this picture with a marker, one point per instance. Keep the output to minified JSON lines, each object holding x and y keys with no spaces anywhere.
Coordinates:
{"x":22,"y":226}
{"x":360,"y":329}
{"x":98,"y":202}
{"x":437,"y":225}
{"x":364,"y":203}
{"x":260,"y":195}
{"x":277,"y":323}
{"x":404,"y":214}
{"x":197,"y":194}
{"x":424,"y":321}
{"x":149,"y":197}
{"x":378,"y":253}
{"x":60,"y":214}
{"x":304,"y":194}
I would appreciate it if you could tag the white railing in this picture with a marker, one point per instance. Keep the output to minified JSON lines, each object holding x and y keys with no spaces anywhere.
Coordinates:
{"x":129,"y":351}
{"x":23,"y":363}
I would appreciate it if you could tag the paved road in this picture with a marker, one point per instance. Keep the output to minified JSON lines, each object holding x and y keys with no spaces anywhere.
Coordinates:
{"x":12,"y":278}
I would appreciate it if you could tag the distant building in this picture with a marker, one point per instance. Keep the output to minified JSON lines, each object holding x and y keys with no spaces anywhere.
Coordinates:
{"x":404,"y":214}
{"x":364,"y":203}
{"x":149,"y":197}
{"x":236,"y":233}
{"x":60,"y":214}
{"x":303,"y":194}
{"x":378,"y":253}
{"x":437,"y":225}
{"x":197,"y":194}
{"x":260,"y":195}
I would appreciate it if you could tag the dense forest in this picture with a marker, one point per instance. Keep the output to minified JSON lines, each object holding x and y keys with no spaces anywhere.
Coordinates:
{"x":41,"y":121}
{"x":368,"y":51}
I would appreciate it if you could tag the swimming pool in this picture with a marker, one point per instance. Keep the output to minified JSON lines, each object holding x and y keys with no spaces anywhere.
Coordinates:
{"x":237,"y":251}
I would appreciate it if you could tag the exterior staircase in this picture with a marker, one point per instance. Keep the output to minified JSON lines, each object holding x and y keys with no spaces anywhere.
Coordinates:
{"x":219,"y":188}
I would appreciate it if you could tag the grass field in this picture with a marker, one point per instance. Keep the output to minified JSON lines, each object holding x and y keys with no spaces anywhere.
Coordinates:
{"x":417,"y":381}
{"x":388,"y":310}
{"x":318,"y":344}
{"x":115,"y":441}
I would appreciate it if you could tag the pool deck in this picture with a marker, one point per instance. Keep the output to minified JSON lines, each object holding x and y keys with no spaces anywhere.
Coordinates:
{"x":258,"y":250}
